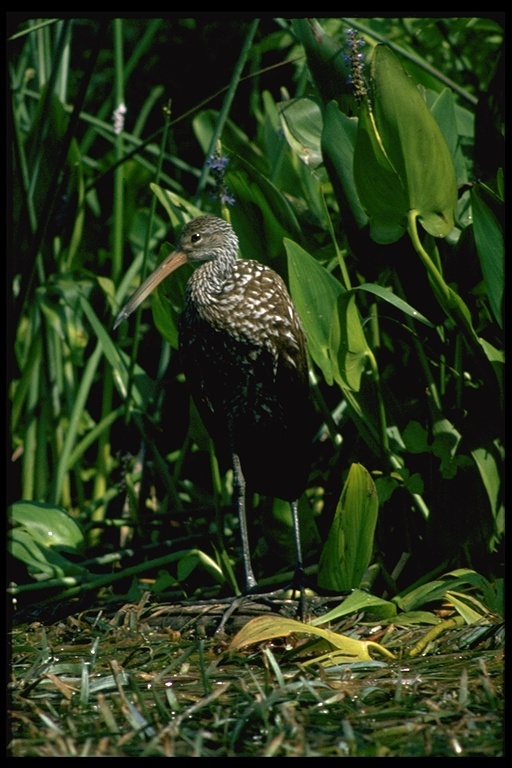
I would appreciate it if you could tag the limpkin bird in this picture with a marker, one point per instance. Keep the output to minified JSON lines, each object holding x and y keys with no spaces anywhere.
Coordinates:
{"x":244,"y":355}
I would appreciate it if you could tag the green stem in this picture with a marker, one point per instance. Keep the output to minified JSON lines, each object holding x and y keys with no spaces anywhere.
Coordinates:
{"x":136,"y":334}
{"x":226,"y":106}
{"x":380,"y":401}
{"x":452,"y":304}
{"x":103,"y":460}
{"x":431,"y":383}
{"x":91,"y":436}
{"x":118,"y":234}
{"x":74,"y":422}
{"x":77,"y":586}
{"x":341,"y":260}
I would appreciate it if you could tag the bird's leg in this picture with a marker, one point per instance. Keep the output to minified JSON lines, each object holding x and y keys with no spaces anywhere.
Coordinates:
{"x":298,"y":579}
{"x":250,"y":580}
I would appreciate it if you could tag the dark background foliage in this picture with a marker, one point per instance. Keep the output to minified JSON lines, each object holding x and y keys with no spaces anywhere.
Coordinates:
{"x":153,"y":459}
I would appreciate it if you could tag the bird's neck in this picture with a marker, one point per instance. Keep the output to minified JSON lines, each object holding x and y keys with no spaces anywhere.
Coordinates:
{"x":209,"y":280}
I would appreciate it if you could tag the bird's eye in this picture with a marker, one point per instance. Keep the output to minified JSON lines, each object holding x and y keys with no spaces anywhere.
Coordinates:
{"x":195,"y":237}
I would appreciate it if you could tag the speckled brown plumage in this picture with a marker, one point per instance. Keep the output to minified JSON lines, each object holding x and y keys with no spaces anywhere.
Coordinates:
{"x":244,"y":355}
{"x":245,"y":360}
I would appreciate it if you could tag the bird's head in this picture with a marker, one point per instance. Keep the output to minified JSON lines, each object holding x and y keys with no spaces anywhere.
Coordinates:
{"x":205,"y":238}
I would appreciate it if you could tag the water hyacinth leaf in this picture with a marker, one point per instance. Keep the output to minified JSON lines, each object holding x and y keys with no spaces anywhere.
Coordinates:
{"x":490,"y":246}
{"x":415,"y":437}
{"x":348,"y":343}
{"x":380,"y":188}
{"x":301,"y":120}
{"x":42,"y":562}
{"x":338,"y":144}
{"x":349,"y":546}
{"x":402,"y":145}
{"x":443,"y":109}
{"x":48,"y":524}
{"x":414,"y":143}
{"x":40,"y":534}
{"x":314,"y":291}
{"x":288,"y":175}
{"x":263,"y":628}
{"x":489,"y":461}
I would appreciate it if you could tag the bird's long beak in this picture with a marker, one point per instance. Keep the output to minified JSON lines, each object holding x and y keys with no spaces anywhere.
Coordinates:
{"x":173,"y":261}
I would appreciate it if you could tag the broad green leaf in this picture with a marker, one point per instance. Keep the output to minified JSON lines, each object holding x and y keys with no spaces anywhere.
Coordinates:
{"x":496,"y":358}
{"x":414,"y":143}
{"x":314,"y":291}
{"x":263,"y":628}
{"x":338,"y":144}
{"x":48,"y":524}
{"x":349,"y":547}
{"x":446,"y":439}
{"x":291,"y":177}
{"x":42,"y":562}
{"x":39,"y":536}
{"x":349,"y":348}
{"x":301,"y":120}
{"x":490,"y":246}
{"x":490,"y":466}
{"x":443,"y":109}
{"x":379,"y":186}
{"x":415,"y":483}
{"x":400,"y":148}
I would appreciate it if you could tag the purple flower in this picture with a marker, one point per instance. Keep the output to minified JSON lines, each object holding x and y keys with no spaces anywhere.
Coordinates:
{"x":227,"y":198}
{"x":217,"y":164}
{"x":355,"y":58}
